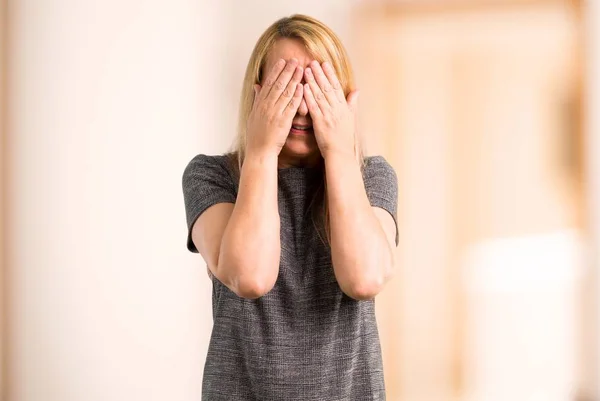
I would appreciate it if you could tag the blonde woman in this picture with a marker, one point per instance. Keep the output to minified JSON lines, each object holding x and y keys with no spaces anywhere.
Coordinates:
{"x":297,"y":229}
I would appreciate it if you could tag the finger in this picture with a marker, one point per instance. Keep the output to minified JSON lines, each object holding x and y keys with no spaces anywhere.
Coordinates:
{"x":282,"y":81}
{"x":294,"y":103}
{"x":311,"y":102}
{"x":324,"y":83}
{"x":353,"y":100}
{"x":315,"y":90}
{"x":271,"y":78}
{"x":303,"y":109}
{"x":334,"y":81}
{"x":290,"y":90}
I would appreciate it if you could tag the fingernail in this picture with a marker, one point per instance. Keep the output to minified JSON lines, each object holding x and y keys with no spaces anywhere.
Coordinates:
{"x":308,"y":72}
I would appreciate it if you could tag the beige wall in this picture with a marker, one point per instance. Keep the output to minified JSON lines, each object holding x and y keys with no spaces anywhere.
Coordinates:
{"x":592,"y":127}
{"x":3,"y":50}
{"x":109,"y":100}
{"x":468,"y":105}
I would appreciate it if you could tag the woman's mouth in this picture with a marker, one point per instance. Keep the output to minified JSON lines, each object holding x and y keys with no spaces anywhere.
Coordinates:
{"x":301,"y":129}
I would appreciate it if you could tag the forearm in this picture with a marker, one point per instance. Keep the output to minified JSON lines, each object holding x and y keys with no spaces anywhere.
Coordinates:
{"x":250,"y":248}
{"x":361,"y":255}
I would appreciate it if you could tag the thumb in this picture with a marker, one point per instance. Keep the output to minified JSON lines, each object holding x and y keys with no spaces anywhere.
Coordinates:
{"x":352,"y":99}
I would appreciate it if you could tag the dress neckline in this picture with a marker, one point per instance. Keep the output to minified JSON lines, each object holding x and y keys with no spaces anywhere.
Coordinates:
{"x":299,"y":172}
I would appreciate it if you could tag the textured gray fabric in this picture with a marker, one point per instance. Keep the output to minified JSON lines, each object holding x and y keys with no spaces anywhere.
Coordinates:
{"x":305,"y":339}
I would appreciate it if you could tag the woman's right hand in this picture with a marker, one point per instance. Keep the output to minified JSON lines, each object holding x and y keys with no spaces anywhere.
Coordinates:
{"x":274,"y":108}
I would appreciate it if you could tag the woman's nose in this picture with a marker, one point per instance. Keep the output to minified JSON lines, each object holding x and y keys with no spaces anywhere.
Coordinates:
{"x":303,"y":109}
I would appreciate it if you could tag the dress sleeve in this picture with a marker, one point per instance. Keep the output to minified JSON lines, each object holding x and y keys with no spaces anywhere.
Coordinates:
{"x":381,"y":185}
{"x":206,"y":181}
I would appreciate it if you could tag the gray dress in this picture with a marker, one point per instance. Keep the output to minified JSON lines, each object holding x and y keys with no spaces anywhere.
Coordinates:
{"x":305,"y":339}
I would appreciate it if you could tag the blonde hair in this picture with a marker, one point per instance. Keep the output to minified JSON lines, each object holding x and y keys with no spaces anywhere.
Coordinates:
{"x":322,"y":44}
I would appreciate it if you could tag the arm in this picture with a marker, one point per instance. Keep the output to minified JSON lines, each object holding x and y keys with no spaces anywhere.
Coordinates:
{"x":241,"y":242}
{"x":362,"y":236}
{"x":248,"y":261}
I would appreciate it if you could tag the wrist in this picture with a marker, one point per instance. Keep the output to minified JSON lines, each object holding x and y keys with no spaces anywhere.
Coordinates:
{"x":333,"y":153}
{"x":265,"y":158}
{"x":262,"y":153}
{"x":336,"y":161}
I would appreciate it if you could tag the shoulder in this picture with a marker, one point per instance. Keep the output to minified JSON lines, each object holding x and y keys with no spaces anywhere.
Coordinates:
{"x":214,"y":165}
{"x":209,"y":161}
{"x":380,"y":178}
{"x":377,"y":166}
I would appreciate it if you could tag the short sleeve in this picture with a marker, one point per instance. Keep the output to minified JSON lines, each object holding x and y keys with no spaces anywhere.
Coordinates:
{"x":206,"y":181}
{"x":381,"y":185}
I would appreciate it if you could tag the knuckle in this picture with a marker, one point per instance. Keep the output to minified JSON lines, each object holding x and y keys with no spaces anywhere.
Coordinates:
{"x":288,"y":92}
{"x":280,"y":85}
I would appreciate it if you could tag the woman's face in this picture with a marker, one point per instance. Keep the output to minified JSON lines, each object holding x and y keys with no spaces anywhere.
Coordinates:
{"x":300,"y":148}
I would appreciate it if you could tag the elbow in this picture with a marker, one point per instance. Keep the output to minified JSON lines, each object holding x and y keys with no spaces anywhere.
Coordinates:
{"x":363,"y":290}
{"x":366,"y":288}
{"x":244,"y":279}
{"x":252,"y":287}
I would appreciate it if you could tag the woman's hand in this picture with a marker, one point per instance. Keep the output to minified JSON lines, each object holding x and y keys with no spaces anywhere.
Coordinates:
{"x":274,"y":108}
{"x":333,"y":115}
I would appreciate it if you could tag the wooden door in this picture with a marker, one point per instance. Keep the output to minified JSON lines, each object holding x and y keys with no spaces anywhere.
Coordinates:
{"x":476,"y":105}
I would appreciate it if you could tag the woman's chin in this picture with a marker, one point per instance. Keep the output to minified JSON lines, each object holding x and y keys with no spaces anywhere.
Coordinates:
{"x":300,"y":145}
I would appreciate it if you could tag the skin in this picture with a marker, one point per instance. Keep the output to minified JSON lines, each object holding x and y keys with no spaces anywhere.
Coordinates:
{"x":298,"y":150}
{"x":297,"y":90}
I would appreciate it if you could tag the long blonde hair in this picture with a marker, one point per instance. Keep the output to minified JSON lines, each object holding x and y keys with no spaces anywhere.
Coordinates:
{"x":322,"y":44}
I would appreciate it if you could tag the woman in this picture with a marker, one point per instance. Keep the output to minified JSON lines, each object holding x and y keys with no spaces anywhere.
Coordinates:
{"x":298,"y":230}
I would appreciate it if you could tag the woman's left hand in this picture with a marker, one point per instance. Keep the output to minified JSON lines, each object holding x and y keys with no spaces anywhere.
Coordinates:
{"x":333,"y":115}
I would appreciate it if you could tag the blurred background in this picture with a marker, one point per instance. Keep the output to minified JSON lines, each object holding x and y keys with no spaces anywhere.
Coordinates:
{"x":489,"y":110}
